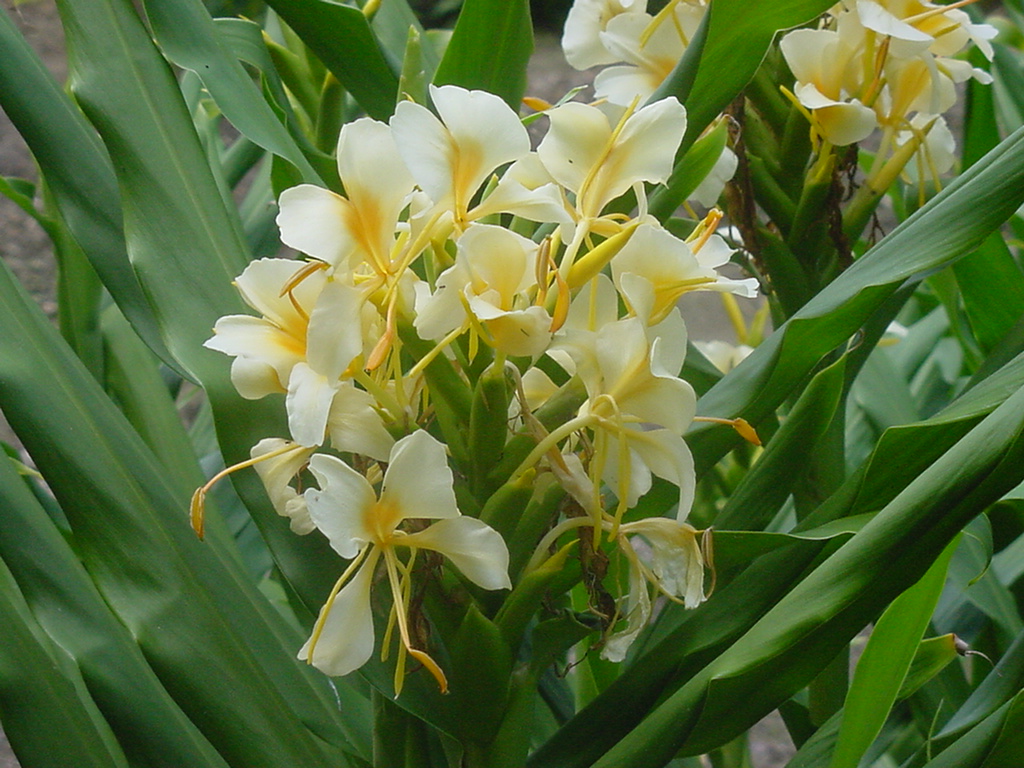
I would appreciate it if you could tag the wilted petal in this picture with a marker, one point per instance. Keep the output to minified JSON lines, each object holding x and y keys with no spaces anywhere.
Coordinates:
{"x":637,"y":607}
{"x":474,"y":547}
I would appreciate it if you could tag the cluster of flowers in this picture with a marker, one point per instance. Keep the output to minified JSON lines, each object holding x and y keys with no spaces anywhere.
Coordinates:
{"x":637,"y":52}
{"x":887,"y":64}
{"x":421,"y":261}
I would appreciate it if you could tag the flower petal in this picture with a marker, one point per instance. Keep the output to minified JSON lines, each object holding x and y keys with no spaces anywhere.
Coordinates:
{"x":418,"y":481}
{"x":355,"y":426}
{"x":317,"y":221}
{"x":346,"y":641}
{"x":277,"y":474}
{"x":474,"y":547}
{"x":308,"y":403}
{"x":340,"y":507}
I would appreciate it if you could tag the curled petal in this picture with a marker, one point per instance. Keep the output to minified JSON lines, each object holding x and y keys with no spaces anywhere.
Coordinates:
{"x":277,"y":474}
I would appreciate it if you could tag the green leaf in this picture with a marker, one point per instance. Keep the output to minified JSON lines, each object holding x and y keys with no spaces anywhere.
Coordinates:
{"x":341,"y":37}
{"x":949,"y":226}
{"x":187,"y":36}
{"x":992,"y":286}
{"x":78,"y":172}
{"x":805,"y":630}
{"x":489,"y":49}
{"x":185,"y":245}
{"x":150,"y":727}
{"x":42,"y":696}
{"x":770,"y":480}
{"x":230,"y":660}
{"x":884,"y":665}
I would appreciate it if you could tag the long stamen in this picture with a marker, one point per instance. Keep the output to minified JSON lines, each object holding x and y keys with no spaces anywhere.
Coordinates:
{"x":742,"y":426}
{"x":605,"y":152}
{"x":423,"y":658}
{"x":197,"y":507}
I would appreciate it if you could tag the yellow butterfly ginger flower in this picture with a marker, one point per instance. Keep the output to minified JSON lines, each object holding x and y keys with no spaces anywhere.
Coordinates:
{"x":360,"y":227}
{"x":655,"y":268}
{"x":451,"y":157}
{"x":636,"y":404}
{"x":369,"y":529}
{"x":649,"y":49}
{"x":587,"y":20}
{"x":598,"y":162}
{"x":488,"y":287}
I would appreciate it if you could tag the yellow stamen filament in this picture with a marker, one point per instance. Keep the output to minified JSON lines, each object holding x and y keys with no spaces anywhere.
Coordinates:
{"x":197,"y":507}
{"x":742,"y":427}
{"x":428,"y":358}
{"x":658,"y":20}
{"x":936,"y":11}
{"x":605,"y":152}
{"x":403,"y":630}
{"x":307,"y":269}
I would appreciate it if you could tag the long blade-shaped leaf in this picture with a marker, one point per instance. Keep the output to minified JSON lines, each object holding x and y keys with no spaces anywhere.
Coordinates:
{"x":221,"y":650}
{"x":40,"y":695}
{"x":951,"y":225}
{"x":184,"y":244}
{"x":186,"y":33}
{"x":341,"y":36}
{"x":150,"y":727}
{"x":489,"y":49}
{"x":805,"y":630}
{"x":78,"y":172}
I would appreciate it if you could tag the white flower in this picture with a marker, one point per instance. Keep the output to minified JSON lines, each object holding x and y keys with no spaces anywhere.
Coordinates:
{"x":277,"y":473}
{"x":630,"y":373}
{"x":453,"y":156}
{"x":584,"y":154}
{"x":493,"y":272}
{"x":358,"y":524}
{"x":309,"y":323}
{"x":649,"y":56}
{"x":587,"y":19}
{"x":655,"y":268}
{"x":359,"y":228}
